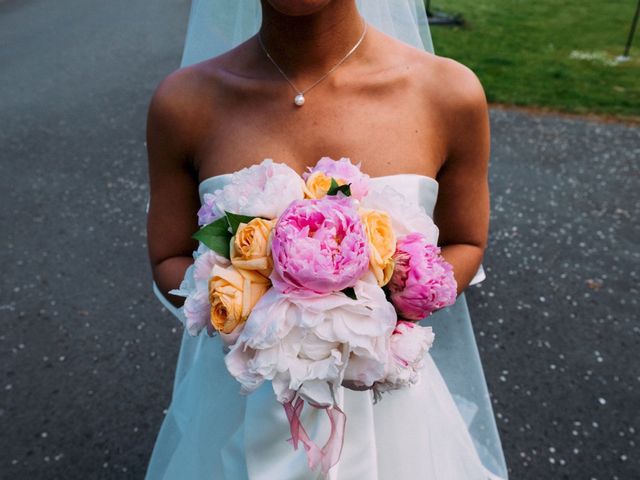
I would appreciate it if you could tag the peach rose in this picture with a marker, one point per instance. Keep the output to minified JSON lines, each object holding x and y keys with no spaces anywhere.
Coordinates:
{"x":233,"y":293}
{"x":318,"y":184}
{"x":382,"y":243}
{"x":249,"y":249}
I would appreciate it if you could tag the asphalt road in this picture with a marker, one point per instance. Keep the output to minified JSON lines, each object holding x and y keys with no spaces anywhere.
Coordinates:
{"x":88,"y":354}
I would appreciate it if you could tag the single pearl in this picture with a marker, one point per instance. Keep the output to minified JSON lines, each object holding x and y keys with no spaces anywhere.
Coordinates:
{"x":299,"y":100}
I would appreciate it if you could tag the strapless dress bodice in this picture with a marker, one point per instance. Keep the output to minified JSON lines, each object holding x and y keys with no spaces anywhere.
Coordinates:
{"x":419,"y":189}
{"x":416,"y":188}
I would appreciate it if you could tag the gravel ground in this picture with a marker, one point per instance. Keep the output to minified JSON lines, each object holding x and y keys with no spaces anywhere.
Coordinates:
{"x":88,"y":355}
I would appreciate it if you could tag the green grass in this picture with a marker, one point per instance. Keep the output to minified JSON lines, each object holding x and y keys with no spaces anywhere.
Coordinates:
{"x":525,"y":52}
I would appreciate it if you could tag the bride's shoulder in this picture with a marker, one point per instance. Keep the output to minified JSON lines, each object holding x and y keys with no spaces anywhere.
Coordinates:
{"x":447,"y":85}
{"x":452,"y":97}
{"x":184,"y":99}
{"x":189,"y":84}
{"x":186,"y":85}
{"x":450,"y":85}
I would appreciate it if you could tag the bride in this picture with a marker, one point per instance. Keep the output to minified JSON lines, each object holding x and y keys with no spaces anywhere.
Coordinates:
{"x":320,"y":79}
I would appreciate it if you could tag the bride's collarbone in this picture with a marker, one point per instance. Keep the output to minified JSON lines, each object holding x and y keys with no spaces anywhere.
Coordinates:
{"x":387,"y":133}
{"x":373,"y":161}
{"x":382,"y":146}
{"x":387,"y":149}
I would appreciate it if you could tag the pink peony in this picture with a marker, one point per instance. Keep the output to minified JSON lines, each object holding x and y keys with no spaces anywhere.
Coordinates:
{"x":422,"y":280}
{"x":343,"y":170}
{"x":319,"y":246}
{"x":410,"y":343}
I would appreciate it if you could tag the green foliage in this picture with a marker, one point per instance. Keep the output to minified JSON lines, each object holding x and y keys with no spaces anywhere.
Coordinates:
{"x":335,"y":188}
{"x":235,"y":220}
{"x":216,"y":236}
{"x":543,"y":53}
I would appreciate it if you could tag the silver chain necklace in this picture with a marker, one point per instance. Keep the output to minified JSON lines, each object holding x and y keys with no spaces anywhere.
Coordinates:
{"x":299,"y":98}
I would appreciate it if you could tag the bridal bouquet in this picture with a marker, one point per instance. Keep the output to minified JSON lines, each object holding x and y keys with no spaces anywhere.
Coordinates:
{"x":313,"y":283}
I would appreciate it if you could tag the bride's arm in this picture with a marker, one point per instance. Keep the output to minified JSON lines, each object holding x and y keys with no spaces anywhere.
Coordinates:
{"x":462,"y":210}
{"x":173,"y":187}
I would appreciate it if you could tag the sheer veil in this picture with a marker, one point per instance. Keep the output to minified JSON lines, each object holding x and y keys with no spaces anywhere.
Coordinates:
{"x":216,"y":26}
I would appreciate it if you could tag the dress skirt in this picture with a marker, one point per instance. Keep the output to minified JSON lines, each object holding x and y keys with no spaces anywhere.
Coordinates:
{"x":441,"y":428}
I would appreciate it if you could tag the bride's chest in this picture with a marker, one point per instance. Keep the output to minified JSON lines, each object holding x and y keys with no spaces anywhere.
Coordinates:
{"x":386,"y":138}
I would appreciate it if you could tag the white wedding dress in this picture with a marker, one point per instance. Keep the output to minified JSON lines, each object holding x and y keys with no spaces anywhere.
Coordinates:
{"x":438,"y":429}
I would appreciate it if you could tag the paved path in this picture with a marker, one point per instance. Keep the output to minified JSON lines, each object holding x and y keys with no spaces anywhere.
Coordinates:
{"x":88,"y":355}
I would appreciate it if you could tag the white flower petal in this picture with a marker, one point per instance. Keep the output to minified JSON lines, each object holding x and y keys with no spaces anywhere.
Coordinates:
{"x":302,"y":344}
{"x":406,"y":216}
{"x":262,"y":190}
{"x":409,"y":345}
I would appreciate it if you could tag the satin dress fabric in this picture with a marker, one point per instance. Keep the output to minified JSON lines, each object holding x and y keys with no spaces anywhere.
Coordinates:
{"x":441,"y":428}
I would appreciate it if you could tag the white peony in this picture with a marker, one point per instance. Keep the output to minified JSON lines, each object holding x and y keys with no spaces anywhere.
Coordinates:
{"x":406,"y":216}
{"x":303,"y":344}
{"x":196,"y":310}
{"x":410,"y":343}
{"x":262,"y":190}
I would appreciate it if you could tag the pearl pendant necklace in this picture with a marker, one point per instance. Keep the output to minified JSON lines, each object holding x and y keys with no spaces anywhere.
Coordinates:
{"x":299,"y":99}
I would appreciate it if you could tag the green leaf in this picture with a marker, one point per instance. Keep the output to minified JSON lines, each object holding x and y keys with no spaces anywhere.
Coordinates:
{"x":335,"y":188}
{"x":235,"y":220}
{"x":216,"y":236}
{"x":350,"y":292}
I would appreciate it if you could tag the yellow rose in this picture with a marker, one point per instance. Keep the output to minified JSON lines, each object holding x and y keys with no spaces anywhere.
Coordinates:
{"x":233,"y":293}
{"x":249,"y":249}
{"x":318,"y":184}
{"x":382,"y":243}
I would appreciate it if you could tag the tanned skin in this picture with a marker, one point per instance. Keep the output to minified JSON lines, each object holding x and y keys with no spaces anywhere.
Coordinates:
{"x":394,"y":108}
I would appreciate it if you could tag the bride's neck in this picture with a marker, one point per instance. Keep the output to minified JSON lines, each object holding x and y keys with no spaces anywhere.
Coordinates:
{"x":313,"y":43}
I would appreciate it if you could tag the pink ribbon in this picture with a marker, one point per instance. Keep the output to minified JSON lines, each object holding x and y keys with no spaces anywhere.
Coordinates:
{"x":326,"y":456}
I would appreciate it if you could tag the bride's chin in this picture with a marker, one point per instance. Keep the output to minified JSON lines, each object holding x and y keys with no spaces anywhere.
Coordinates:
{"x":296,"y":8}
